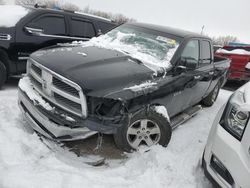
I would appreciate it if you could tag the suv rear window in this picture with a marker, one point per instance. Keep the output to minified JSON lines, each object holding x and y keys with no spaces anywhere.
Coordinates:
{"x":105,"y":27}
{"x":81,"y":28}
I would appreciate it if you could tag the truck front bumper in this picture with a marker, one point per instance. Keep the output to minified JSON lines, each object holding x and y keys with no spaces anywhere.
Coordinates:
{"x":224,"y":161}
{"x":43,"y":125}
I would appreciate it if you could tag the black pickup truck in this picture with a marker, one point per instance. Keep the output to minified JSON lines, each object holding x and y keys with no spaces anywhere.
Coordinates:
{"x":134,"y":82}
{"x":24,"y":30}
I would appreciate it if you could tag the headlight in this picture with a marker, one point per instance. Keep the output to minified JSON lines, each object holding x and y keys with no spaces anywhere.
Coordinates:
{"x":234,"y":119}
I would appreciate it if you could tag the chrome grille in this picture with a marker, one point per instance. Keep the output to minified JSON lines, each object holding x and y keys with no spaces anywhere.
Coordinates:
{"x":57,"y":89}
{"x":63,"y":86}
{"x":65,"y":101}
{"x":37,"y":70}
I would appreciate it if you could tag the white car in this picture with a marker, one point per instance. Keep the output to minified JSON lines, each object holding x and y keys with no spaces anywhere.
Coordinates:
{"x":226,"y":159}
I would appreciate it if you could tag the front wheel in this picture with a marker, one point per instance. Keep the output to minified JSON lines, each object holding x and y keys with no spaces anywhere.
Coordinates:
{"x":144,"y":128}
{"x":211,"y":98}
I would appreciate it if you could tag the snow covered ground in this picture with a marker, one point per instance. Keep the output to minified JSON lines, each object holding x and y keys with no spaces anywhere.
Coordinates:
{"x":26,"y":162}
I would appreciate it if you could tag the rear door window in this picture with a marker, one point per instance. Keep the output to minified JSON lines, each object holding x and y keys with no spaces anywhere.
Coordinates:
{"x":82,"y":28}
{"x":52,"y":24}
{"x":206,"y":52}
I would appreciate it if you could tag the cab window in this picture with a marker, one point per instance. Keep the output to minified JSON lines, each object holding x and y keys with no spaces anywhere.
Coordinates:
{"x":205,"y":52}
{"x":191,"y":51}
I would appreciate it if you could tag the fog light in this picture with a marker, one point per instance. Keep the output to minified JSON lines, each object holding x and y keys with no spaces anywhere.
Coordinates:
{"x":220,"y":168}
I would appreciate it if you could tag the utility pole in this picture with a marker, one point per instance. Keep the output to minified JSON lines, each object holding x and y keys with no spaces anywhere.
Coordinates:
{"x":202,"y":29}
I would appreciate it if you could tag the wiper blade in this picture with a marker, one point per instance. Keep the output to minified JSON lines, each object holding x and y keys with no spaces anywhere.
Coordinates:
{"x":136,"y":60}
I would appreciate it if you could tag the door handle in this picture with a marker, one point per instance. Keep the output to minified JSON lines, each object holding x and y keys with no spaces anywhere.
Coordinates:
{"x":211,"y":73}
{"x":197,"y":77}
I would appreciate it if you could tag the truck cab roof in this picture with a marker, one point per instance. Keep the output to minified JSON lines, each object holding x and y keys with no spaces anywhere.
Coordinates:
{"x":172,"y":31}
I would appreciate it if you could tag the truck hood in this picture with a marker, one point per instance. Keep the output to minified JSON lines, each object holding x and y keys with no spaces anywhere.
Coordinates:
{"x":99,"y":71}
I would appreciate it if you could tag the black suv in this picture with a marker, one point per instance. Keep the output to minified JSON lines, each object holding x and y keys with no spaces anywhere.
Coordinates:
{"x":39,"y":28}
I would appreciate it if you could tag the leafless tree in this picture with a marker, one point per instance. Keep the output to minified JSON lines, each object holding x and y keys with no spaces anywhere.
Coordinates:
{"x":119,"y":18}
{"x":224,"y":40}
{"x":26,"y":2}
{"x":49,"y":4}
{"x":70,"y":6}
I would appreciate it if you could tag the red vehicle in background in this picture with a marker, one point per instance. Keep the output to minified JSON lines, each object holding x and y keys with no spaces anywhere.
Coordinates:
{"x":240,"y":64}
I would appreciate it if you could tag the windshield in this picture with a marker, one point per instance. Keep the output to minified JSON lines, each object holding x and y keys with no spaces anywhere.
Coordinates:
{"x":149,"y":46}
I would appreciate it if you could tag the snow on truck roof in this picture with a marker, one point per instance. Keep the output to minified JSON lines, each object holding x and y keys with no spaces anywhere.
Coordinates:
{"x":11,"y":14}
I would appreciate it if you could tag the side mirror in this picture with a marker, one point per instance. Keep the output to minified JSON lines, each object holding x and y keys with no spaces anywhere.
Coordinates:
{"x":189,"y":63}
{"x":180,"y":69}
{"x":33,"y":29}
{"x":99,"y":33}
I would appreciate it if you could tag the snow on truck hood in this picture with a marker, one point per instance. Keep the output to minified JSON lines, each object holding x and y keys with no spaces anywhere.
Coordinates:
{"x":11,"y":14}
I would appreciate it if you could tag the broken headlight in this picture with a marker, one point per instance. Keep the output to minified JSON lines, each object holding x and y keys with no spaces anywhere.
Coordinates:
{"x":234,"y":119}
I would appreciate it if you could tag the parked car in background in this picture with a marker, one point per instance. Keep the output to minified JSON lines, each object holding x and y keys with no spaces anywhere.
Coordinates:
{"x":137,"y":82}
{"x":226,"y":158}
{"x":217,"y":47}
{"x":24,"y":30}
{"x":240,"y":64}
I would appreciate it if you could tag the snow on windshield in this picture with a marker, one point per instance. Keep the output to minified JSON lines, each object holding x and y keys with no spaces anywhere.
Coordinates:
{"x":11,"y":14}
{"x":152,"y":50}
{"x":236,"y":51}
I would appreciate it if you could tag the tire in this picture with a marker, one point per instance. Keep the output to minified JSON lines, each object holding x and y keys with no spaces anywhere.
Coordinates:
{"x":141,"y":128}
{"x":3,"y":74}
{"x":211,"y":98}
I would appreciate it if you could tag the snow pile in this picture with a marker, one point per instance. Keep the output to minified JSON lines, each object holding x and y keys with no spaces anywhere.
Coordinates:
{"x":11,"y":14}
{"x":143,"y":86}
{"x":163,"y":111}
{"x":26,"y":162}
{"x":236,"y":51}
{"x":26,"y":86}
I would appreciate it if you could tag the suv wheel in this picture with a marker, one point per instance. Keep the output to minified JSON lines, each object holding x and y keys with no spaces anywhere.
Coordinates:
{"x":143,"y":129}
{"x":3,"y":74}
{"x":211,"y":98}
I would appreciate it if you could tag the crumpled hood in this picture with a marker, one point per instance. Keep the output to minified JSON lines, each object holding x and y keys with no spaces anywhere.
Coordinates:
{"x":98,"y":71}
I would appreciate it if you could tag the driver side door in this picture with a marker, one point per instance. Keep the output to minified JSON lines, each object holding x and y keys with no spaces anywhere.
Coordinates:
{"x":190,"y":58}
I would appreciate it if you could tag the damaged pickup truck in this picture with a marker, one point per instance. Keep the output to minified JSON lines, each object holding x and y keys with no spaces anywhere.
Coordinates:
{"x":137,"y":82}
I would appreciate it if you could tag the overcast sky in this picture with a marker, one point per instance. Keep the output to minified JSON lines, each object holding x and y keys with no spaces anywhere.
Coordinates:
{"x":220,"y":17}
